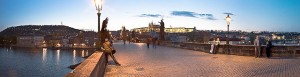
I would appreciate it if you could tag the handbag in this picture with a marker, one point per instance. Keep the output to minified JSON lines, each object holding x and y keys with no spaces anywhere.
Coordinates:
{"x":113,"y":51}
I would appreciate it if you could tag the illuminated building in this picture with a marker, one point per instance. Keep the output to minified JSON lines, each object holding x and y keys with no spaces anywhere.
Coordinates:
{"x":156,"y":28}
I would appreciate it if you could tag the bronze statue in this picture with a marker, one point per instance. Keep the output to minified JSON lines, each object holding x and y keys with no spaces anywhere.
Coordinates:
{"x":104,"y":32}
{"x":104,"y":24}
{"x":162,"y":29}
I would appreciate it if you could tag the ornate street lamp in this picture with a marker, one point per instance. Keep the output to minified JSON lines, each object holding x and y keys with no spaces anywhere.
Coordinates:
{"x":228,"y":19}
{"x":98,"y":5}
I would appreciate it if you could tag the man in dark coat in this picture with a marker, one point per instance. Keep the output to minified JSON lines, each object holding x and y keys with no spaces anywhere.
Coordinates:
{"x":269,"y":47}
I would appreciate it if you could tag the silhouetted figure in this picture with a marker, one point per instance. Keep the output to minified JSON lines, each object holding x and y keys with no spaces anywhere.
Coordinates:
{"x":133,"y":35}
{"x":124,"y":34}
{"x":129,"y":39}
{"x":154,"y":40}
{"x":104,"y":24}
{"x":217,"y":45}
{"x":148,"y":42}
{"x":107,"y":47}
{"x":103,"y":31}
{"x":162,"y":30}
{"x":269,"y":47}
{"x":124,"y":41}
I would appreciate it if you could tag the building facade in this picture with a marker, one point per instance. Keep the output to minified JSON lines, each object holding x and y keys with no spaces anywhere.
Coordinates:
{"x":30,"y":41}
{"x":156,"y":28}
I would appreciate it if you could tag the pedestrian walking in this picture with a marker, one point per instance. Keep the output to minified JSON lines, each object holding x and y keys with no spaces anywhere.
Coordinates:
{"x":257,"y":45}
{"x":148,"y":42}
{"x":269,"y":47}
{"x":154,"y":42}
{"x":109,"y":50}
{"x":129,"y":39}
{"x":124,"y":41}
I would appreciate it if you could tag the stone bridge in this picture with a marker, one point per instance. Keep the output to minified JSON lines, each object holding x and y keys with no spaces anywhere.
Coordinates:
{"x":139,"y":61}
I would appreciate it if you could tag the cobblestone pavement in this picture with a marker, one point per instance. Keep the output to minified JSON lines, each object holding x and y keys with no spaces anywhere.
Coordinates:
{"x":139,"y":61}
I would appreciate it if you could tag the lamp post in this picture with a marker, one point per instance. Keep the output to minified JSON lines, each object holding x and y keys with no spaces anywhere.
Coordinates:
{"x":228,"y":19}
{"x":98,"y":5}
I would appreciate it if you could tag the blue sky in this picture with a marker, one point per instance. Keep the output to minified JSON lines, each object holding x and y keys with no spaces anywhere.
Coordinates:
{"x":248,"y":15}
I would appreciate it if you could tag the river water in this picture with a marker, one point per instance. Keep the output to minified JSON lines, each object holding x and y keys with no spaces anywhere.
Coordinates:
{"x":16,"y":62}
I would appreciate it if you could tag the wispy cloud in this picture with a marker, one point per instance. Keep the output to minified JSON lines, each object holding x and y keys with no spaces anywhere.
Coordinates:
{"x":193,"y":14}
{"x":211,"y":18}
{"x":184,"y":13}
{"x":228,"y":13}
{"x":150,"y":15}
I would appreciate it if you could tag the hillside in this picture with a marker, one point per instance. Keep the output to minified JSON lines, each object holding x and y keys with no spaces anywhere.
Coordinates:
{"x":28,"y":30}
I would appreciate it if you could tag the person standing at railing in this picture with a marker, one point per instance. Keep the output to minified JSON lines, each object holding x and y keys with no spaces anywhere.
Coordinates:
{"x":212,"y":47}
{"x":257,"y":44}
{"x":217,"y":45}
{"x":269,"y":47}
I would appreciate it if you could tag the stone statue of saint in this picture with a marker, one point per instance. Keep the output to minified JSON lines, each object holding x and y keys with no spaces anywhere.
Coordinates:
{"x":103,"y":33}
{"x":104,"y":24}
{"x":162,"y":29}
{"x":162,"y":23}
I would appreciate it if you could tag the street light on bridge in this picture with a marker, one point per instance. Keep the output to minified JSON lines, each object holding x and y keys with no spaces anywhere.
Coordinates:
{"x":228,"y":19}
{"x":98,"y":5}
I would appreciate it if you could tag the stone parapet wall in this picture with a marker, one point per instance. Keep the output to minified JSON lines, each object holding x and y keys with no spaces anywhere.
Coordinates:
{"x":93,"y":66}
{"x":245,"y":50}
